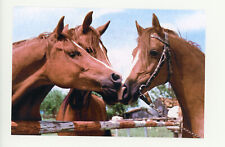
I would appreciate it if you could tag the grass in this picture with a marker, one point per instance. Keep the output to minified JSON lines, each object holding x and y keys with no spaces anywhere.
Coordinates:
{"x":140,"y":132}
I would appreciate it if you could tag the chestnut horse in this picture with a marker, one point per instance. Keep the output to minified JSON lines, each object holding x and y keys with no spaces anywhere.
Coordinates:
{"x":55,"y":59}
{"x":82,"y":105}
{"x":184,"y":68}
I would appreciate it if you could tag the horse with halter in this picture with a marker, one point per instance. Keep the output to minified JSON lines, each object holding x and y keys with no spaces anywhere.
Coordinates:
{"x":83,"y":105}
{"x":162,"y":56}
{"x":55,"y":59}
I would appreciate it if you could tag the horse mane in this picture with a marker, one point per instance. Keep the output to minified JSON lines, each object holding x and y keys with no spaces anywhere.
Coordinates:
{"x":92,"y":30}
{"x":77,"y":94}
{"x":188,"y":41}
{"x":191,"y":43}
{"x":44,"y":35}
{"x":19,"y":42}
{"x":66,"y":100}
{"x":194,"y":44}
{"x":73,"y":32}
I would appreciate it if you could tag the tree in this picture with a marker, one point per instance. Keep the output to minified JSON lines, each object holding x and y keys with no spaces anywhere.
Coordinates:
{"x":162,"y":91}
{"x":117,"y":109}
{"x":52,"y":102}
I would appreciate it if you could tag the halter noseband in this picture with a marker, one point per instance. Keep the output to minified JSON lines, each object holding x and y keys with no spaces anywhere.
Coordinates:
{"x":165,"y":56}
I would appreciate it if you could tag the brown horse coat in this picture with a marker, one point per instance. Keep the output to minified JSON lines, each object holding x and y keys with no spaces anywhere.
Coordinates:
{"x":83,"y":105}
{"x":187,"y":78}
{"x":55,"y":59}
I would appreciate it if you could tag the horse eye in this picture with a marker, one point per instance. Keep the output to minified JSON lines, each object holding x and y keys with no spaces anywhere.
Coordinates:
{"x":74,"y":53}
{"x":154,"y":53}
{"x":89,"y":50}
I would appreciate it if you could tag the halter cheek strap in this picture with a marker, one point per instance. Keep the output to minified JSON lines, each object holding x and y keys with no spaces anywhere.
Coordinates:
{"x":166,"y":55}
{"x":167,"y":52}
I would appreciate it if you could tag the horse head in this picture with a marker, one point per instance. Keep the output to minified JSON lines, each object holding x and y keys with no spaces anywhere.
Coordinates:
{"x":146,"y":56}
{"x":91,"y":74}
{"x":89,"y":38}
{"x":63,"y":63}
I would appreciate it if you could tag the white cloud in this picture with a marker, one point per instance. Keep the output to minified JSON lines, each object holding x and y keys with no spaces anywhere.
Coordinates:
{"x":101,"y":12}
{"x":169,"y":26}
{"x":121,"y":60}
{"x":196,"y":21}
{"x":189,"y":22}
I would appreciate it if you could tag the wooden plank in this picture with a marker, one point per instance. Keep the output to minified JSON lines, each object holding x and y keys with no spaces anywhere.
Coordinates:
{"x":40,"y":127}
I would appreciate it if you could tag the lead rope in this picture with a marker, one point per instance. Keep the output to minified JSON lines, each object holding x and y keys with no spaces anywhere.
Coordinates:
{"x":188,"y":131}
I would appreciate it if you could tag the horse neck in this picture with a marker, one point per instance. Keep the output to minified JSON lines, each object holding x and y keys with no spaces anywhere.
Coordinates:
{"x":76,"y":99}
{"x":28,"y":67}
{"x":28,"y":108}
{"x":188,"y":65}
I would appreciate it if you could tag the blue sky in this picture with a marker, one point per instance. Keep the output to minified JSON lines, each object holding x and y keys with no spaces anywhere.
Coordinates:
{"x":120,"y":37}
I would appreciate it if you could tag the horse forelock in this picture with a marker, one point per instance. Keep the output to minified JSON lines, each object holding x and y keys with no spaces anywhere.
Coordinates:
{"x":95,"y":39}
{"x":94,"y":35}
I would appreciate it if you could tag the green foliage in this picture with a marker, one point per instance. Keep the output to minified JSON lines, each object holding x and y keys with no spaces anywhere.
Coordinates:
{"x":162,"y":91}
{"x":159,"y":91}
{"x":52,"y":102}
{"x":118,"y":109}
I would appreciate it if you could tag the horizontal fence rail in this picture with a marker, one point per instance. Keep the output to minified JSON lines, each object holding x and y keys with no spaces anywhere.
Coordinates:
{"x":42,"y":127}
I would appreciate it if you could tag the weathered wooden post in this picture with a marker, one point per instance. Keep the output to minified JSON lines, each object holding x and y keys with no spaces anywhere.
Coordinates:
{"x":146,"y":131}
{"x":42,"y":127}
{"x":128,"y":132}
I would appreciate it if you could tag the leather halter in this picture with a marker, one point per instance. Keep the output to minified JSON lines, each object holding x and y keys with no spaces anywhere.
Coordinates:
{"x":164,"y":57}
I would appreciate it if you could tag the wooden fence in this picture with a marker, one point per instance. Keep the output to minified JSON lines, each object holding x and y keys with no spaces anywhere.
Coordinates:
{"x":43,"y":127}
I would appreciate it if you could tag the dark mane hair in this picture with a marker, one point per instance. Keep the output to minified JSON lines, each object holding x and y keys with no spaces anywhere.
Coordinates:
{"x":19,"y":42}
{"x":194,"y":44}
{"x":190,"y":42}
{"x":44,"y":35}
{"x":94,"y":38}
{"x":79,"y":98}
{"x":91,"y":29}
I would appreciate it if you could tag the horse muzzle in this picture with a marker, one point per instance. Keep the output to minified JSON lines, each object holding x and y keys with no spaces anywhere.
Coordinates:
{"x":110,"y":89}
{"x":130,"y":93}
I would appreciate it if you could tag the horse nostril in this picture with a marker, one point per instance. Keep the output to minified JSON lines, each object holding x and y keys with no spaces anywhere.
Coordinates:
{"x":125,"y":92}
{"x":115,"y":77}
{"x":125,"y":98}
{"x":116,"y":80}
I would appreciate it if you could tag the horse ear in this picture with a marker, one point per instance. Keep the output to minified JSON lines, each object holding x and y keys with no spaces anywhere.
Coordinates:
{"x":102,"y":28}
{"x":155,"y":23}
{"x":66,"y":28}
{"x":59,"y":28}
{"x":87,"y":22}
{"x":139,"y":28}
